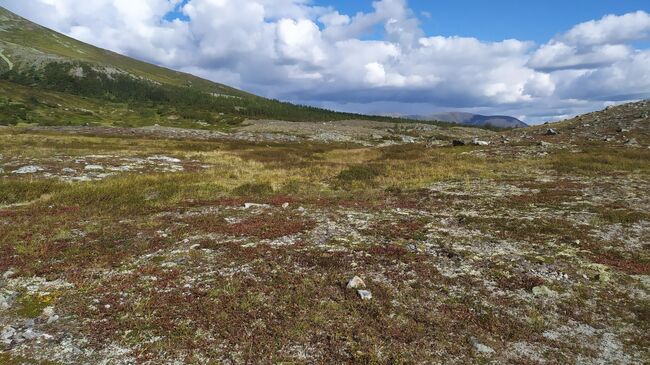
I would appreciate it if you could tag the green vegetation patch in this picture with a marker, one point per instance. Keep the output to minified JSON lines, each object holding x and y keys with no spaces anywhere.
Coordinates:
{"x":254,"y":189}
{"x":32,"y":305}
{"x":599,"y":160}
{"x":360,"y":173}
{"x":19,"y":191}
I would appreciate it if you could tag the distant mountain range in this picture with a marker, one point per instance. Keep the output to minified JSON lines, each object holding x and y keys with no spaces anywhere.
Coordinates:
{"x":476,"y":120}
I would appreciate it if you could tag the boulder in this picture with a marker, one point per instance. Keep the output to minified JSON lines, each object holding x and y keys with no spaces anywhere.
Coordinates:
{"x":478,"y":142}
{"x":551,"y":132}
{"x":356,"y":283}
{"x":457,"y":143}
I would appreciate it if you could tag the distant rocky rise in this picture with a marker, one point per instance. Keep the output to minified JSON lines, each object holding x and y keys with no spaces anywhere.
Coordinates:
{"x":476,"y":120}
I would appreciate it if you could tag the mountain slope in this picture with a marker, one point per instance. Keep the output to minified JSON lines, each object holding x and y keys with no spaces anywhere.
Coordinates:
{"x":52,"y":79}
{"x":469,"y":119}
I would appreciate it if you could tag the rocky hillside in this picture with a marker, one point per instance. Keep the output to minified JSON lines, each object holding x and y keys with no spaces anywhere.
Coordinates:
{"x":622,"y":125}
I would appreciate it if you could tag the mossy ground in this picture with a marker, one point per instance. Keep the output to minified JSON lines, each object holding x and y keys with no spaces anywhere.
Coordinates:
{"x":451,"y":242}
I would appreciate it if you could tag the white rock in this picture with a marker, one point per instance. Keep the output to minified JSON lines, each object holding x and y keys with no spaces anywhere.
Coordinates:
{"x":255,"y":205}
{"x":481,"y":347}
{"x":285,"y":205}
{"x":29,"y":334}
{"x":49,"y":314}
{"x":364,"y":294}
{"x":477,"y":142}
{"x":408,"y":139}
{"x":164,"y":159}
{"x":6,"y":300}
{"x":31,"y":169}
{"x":356,"y":283}
{"x":94,"y":168}
{"x":7,"y":333}
{"x":8,"y":274}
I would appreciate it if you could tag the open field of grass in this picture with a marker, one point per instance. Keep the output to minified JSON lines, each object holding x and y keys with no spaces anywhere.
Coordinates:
{"x":241,"y":252}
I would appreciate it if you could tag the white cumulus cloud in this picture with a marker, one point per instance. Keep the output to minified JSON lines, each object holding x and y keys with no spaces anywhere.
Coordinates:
{"x":294,"y":50}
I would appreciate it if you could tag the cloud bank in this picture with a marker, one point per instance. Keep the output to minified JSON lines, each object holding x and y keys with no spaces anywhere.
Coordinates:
{"x":293,"y":50}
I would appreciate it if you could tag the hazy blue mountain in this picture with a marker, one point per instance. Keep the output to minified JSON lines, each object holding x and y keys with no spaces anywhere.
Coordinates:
{"x":469,"y":119}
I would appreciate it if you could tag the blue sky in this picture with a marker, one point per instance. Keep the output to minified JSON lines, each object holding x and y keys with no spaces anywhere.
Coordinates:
{"x":535,"y":60}
{"x":494,"y":20}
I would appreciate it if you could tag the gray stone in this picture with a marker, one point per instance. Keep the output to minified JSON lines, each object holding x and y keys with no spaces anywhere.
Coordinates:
{"x":356,"y":283}
{"x":49,"y":314}
{"x":29,"y":334}
{"x":478,"y":142}
{"x":457,"y":143}
{"x":479,"y":347}
{"x":255,"y":205}
{"x":164,"y":159}
{"x":31,"y":169}
{"x":6,"y":299}
{"x":551,"y":132}
{"x":408,"y":139}
{"x":94,"y":168}
{"x":364,"y":294}
{"x":7,"y":333}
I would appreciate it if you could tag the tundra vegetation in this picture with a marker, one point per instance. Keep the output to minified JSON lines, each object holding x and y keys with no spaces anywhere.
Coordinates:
{"x":152,"y":217}
{"x":153,"y":250}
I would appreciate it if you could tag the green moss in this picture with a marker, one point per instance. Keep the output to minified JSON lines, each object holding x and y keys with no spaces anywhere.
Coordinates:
{"x":18,"y":191}
{"x":32,"y":305}
{"x":360,"y":173}
{"x":254,"y":189}
{"x":9,"y":359}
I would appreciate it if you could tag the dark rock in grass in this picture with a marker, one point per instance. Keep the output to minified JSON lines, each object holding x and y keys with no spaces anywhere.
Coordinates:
{"x":552,"y":132}
{"x":457,"y":143}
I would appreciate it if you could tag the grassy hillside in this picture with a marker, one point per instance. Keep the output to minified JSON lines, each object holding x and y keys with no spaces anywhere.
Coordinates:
{"x":48,"y":78}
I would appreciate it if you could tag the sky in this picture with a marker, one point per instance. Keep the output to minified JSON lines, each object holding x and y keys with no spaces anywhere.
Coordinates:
{"x":538,"y":61}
